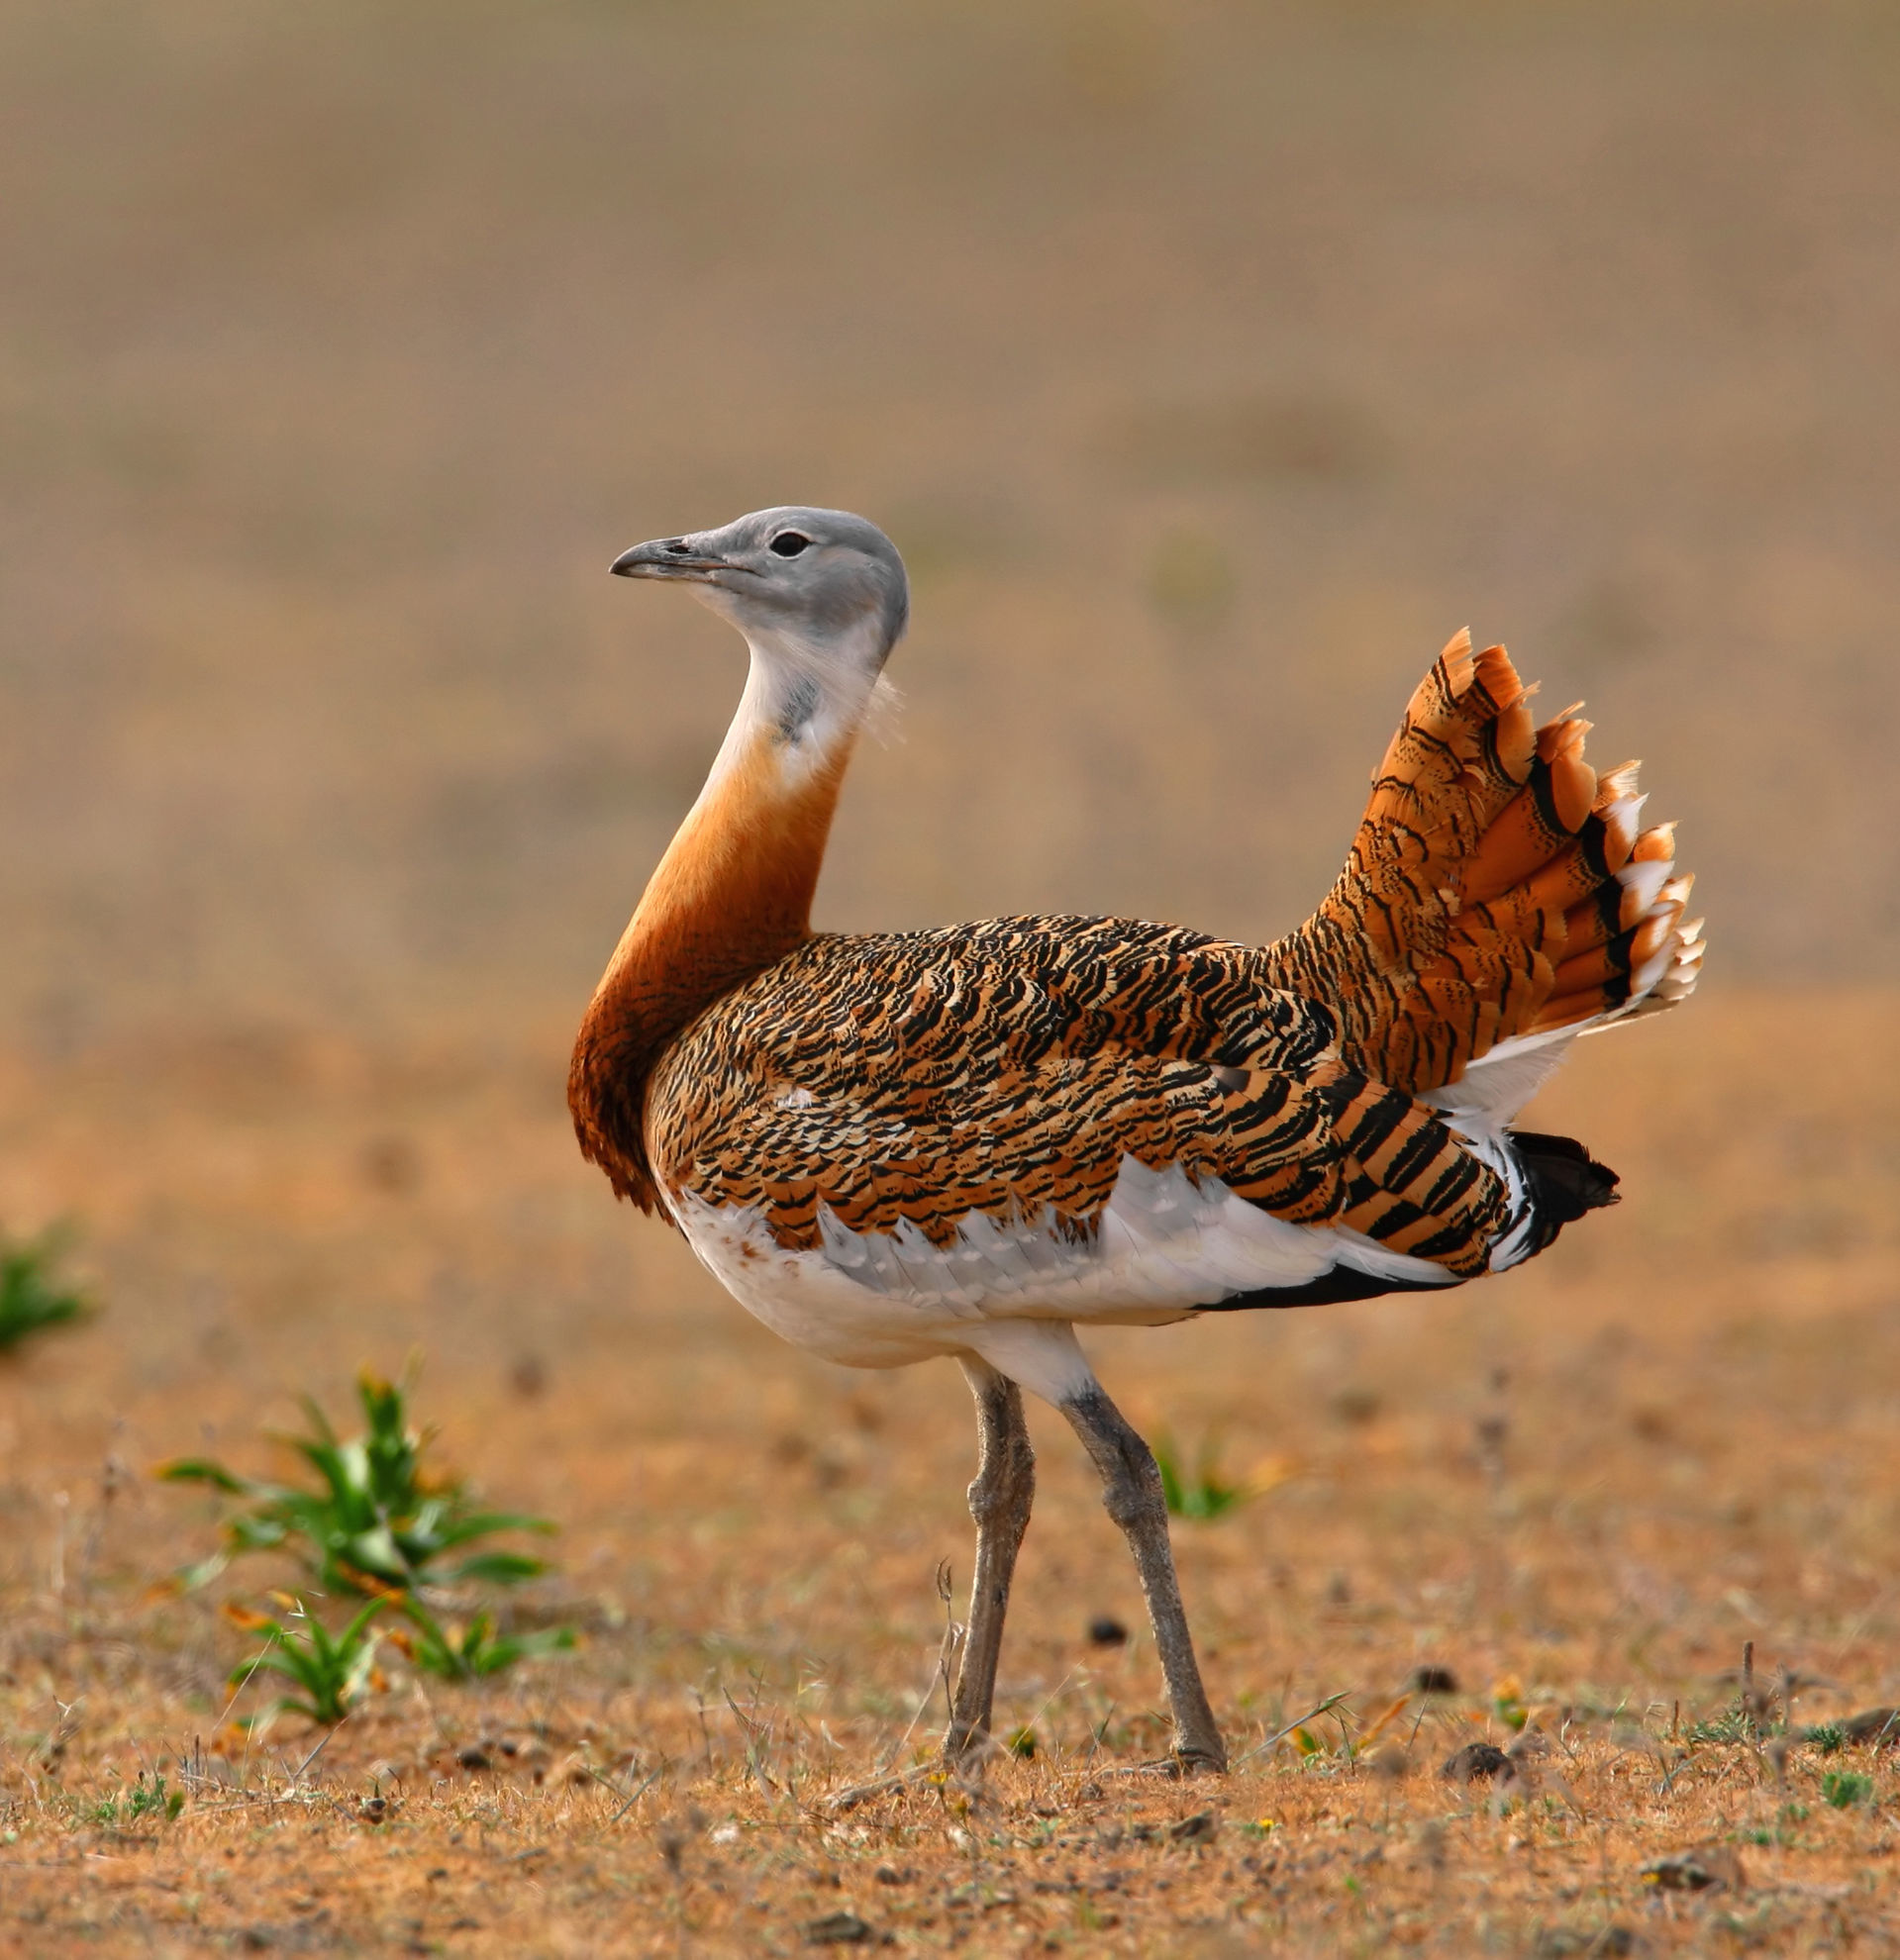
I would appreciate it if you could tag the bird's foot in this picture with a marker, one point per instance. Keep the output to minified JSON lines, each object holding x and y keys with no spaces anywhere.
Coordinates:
{"x":1177,"y":1765}
{"x":1200,"y":1762}
{"x":969,"y":1747}
{"x":948,"y":1768}
{"x":880,"y":1786}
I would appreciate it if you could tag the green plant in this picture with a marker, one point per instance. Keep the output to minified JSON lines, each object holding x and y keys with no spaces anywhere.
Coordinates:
{"x":1845,"y":1788}
{"x":33,"y":1296}
{"x":378,"y":1520}
{"x":148,"y":1797}
{"x":1827,"y":1737}
{"x":1734,"y":1725}
{"x":1203,"y":1492}
{"x":333,"y":1674}
{"x":1507,"y":1702}
{"x":474,"y":1651}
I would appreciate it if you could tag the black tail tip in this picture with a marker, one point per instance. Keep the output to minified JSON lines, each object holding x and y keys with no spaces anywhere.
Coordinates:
{"x":1566,"y":1180}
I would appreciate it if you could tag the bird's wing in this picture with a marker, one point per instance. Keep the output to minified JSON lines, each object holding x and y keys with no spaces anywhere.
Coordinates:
{"x":927,"y":1087}
{"x":1499,"y":890}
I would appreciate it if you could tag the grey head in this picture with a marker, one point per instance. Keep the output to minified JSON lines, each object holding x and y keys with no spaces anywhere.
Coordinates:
{"x":818,"y":579}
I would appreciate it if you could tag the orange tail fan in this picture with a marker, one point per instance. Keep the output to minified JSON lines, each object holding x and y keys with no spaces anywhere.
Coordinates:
{"x":1499,"y":890}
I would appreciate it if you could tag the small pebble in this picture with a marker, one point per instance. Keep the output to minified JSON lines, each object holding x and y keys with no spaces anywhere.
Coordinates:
{"x":837,"y":1929}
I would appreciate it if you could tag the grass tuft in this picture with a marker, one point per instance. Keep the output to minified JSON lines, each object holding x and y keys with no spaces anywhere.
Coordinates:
{"x":383,"y":1527}
{"x":474,"y":1650}
{"x":377,"y":1519}
{"x":1735,"y":1724}
{"x":1844,"y":1788}
{"x":33,"y":1296}
{"x":333,"y":1673}
{"x":1203,"y":1492}
{"x":147,"y":1801}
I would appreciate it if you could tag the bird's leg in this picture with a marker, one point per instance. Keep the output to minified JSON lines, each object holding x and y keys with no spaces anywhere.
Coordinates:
{"x":1132,"y":1495}
{"x":999,"y":1501}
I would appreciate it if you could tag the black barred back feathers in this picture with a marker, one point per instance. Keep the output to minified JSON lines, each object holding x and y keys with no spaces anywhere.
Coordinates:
{"x":1008,"y":1067}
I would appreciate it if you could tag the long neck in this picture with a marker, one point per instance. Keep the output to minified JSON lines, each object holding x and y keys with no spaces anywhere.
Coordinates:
{"x":732,"y":896}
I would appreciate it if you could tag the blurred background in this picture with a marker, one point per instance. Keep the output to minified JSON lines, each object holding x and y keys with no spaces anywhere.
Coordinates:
{"x":1210,"y":363}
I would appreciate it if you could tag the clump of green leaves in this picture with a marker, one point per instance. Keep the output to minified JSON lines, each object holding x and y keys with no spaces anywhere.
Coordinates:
{"x":377,"y":1519}
{"x":474,"y":1650}
{"x":336,"y":1671}
{"x":1202,"y":1492}
{"x":33,"y":1295}
{"x":146,"y":1799}
{"x":373,"y":1521}
{"x":333,"y":1673}
{"x":1507,"y":1702}
{"x":1844,"y":1788}
{"x":1827,"y":1737}
{"x":1735,"y":1724}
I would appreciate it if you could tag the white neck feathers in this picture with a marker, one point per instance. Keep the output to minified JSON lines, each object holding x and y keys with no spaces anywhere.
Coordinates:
{"x":803,"y":704}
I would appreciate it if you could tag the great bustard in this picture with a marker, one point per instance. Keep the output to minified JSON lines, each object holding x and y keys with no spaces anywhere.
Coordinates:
{"x":967,"y":1141}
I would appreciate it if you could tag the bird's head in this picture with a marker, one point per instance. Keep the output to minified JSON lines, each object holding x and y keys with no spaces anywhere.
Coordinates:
{"x":825,"y":585}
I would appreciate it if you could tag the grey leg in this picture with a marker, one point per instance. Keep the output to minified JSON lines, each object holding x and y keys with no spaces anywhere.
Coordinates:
{"x":1131,"y":1493}
{"x":999,"y":1501}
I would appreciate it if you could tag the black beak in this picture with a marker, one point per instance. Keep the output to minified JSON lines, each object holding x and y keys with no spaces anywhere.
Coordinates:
{"x":668,"y":557}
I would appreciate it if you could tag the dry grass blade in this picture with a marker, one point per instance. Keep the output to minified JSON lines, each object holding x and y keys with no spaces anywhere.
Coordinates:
{"x":1280,"y":1735}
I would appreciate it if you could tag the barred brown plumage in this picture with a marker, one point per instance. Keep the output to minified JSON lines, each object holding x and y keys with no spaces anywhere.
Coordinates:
{"x":966,"y":1141}
{"x":1008,"y":1068}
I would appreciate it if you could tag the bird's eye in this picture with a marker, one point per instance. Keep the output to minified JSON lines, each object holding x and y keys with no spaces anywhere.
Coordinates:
{"x":788,"y":544}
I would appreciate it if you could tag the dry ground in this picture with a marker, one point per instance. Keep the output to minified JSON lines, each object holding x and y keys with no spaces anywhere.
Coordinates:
{"x":1598,"y":1478}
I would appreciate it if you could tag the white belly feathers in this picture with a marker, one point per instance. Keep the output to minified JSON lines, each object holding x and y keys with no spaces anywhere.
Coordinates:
{"x":1163,"y":1249}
